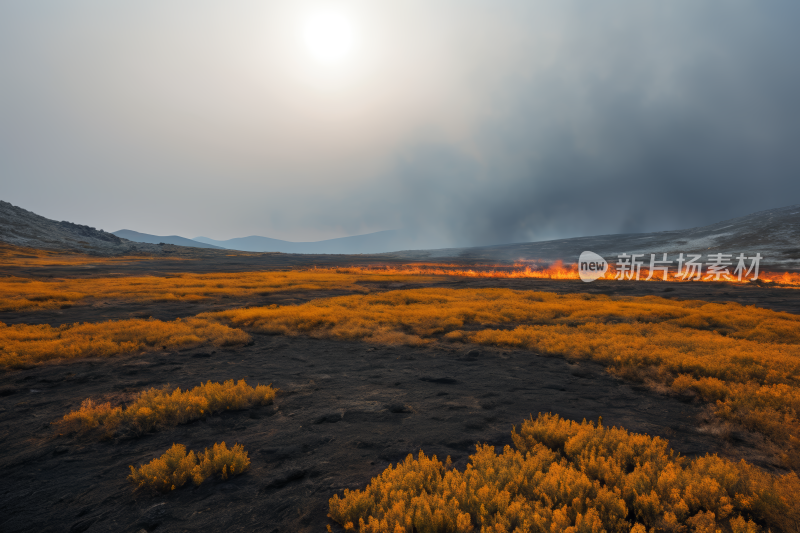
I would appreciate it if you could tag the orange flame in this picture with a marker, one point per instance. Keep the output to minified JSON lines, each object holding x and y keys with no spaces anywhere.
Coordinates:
{"x":557,"y":271}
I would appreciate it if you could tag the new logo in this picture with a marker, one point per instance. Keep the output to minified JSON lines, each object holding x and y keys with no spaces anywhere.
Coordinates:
{"x":591,"y":266}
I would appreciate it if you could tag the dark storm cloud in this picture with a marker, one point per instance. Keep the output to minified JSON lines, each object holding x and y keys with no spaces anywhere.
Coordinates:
{"x":695,"y":118}
{"x":471,"y":122}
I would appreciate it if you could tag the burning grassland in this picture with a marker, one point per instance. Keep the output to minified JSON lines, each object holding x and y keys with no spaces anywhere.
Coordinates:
{"x":559,"y":271}
{"x":20,"y":294}
{"x":744,"y":360}
{"x":156,"y":408}
{"x":577,"y":477}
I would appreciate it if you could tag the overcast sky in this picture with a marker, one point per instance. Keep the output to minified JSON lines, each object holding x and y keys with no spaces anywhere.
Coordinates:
{"x":464,"y":121}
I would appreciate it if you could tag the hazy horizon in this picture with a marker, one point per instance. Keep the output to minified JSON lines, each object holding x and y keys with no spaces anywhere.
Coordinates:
{"x":462,"y":123}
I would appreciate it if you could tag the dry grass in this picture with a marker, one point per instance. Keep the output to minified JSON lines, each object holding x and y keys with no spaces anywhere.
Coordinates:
{"x":176,"y":467}
{"x":23,"y":345}
{"x":744,"y":359}
{"x":20,"y":256}
{"x":18,"y":294}
{"x":576,"y":478}
{"x":155,"y":408}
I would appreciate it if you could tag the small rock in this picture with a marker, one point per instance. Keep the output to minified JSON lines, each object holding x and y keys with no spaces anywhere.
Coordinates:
{"x":397,"y":408}
{"x":441,"y":381}
{"x":154,"y":515}
{"x":330,"y":418}
{"x":471,"y":355}
{"x":82,"y":525}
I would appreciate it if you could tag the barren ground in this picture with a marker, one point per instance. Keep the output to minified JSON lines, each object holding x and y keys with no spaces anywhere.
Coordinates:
{"x":346,"y":411}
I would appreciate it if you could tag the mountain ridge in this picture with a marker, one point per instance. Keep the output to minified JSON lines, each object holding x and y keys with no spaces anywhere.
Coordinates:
{"x":774,"y":233}
{"x":177,"y":240}
{"x":367,"y":243}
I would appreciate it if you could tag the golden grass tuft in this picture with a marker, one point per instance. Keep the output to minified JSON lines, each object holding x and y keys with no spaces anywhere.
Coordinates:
{"x":155,"y":408}
{"x":744,"y":359}
{"x":22,"y":345}
{"x":176,"y":467}
{"x":18,"y":294}
{"x":572,"y":477}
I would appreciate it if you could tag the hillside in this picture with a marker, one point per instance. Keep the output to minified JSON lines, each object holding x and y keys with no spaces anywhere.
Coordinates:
{"x":135,"y":236}
{"x":24,"y":228}
{"x":774,"y":233}
{"x":370,"y":243}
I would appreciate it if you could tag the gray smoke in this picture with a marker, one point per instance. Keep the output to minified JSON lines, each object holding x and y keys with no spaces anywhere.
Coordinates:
{"x":480,"y":123}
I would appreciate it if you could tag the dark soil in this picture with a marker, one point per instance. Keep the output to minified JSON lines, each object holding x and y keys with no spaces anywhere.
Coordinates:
{"x":346,"y":411}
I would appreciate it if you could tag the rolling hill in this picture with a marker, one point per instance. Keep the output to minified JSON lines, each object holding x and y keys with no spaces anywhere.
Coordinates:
{"x":135,"y":236}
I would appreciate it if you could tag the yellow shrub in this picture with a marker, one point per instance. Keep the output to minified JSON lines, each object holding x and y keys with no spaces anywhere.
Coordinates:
{"x":159,"y":407}
{"x":90,"y":416}
{"x":176,"y":467}
{"x":573,"y":477}
{"x":23,"y":344}
{"x":220,"y":460}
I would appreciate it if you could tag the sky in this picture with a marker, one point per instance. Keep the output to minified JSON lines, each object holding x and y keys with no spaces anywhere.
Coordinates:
{"x":460,"y":122}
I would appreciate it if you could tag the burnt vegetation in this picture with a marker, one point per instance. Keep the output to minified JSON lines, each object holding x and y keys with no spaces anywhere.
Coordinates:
{"x":381,"y":371}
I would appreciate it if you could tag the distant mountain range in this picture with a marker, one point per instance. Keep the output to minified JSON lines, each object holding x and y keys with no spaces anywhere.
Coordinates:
{"x":370,"y":243}
{"x":774,"y":233}
{"x":135,"y":236}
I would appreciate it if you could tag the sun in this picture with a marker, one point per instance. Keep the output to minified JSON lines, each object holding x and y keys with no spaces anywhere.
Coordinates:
{"x":329,"y":37}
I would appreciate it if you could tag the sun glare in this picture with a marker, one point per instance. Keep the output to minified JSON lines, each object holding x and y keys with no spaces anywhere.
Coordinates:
{"x":329,"y":37}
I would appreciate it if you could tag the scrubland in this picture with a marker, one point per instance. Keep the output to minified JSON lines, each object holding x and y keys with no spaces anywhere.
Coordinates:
{"x":27,"y":294}
{"x":572,"y":477}
{"x":18,"y":294}
{"x":176,"y":467}
{"x":23,"y":345}
{"x":155,"y":408}
{"x":744,"y":360}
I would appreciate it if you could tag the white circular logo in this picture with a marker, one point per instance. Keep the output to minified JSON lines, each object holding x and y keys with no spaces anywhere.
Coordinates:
{"x":591,"y":266}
